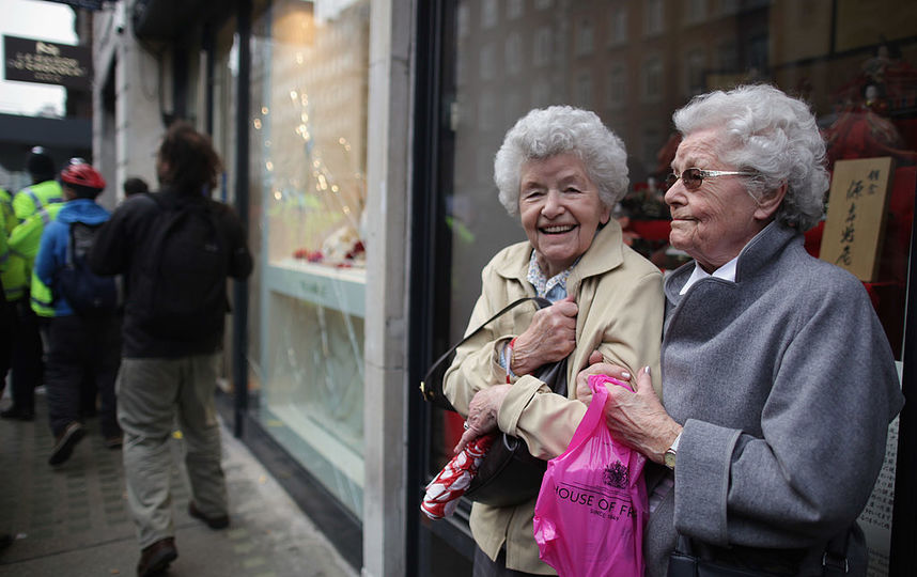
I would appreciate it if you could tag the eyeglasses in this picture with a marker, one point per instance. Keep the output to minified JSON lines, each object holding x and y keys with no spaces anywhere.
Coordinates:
{"x":693,"y":177}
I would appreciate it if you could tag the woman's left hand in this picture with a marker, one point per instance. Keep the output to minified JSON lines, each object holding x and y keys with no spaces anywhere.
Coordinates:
{"x":482,"y":418}
{"x":638,"y":419}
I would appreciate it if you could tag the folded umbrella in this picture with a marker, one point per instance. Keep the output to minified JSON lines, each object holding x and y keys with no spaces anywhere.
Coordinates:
{"x":444,"y":490}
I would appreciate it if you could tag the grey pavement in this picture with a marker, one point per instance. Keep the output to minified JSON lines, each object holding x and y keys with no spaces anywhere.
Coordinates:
{"x":73,"y":520}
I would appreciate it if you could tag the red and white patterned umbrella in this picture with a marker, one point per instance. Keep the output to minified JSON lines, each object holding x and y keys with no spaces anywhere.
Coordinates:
{"x":444,"y":490}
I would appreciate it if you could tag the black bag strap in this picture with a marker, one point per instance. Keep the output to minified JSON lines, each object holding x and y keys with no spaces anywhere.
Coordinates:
{"x":432,"y":389}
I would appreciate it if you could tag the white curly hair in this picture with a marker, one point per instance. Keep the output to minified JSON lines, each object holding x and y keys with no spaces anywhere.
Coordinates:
{"x":547,"y":132}
{"x":763,"y":130}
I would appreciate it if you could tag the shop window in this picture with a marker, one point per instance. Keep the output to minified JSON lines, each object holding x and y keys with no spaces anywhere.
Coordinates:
{"x":654,"y":14}
{"x":695,"y":72}
{"x":487,"y":111}
{"x":541,"y":93}
{"x":513,"y":53}
{"x":514,"y":9}
{"x":308,"y":163}
{"x":583,"y":39}
{"x":615,"y":98}
{"x":727,"y":56}
{"x":583,"y":89}
{"x":696,"y":11}
{"x":488,"y":14}
{"x":727,"y":7}
{"x":487,"y":65}
{"x":512,"y":104}
{"x":462,"y":20}
{"x":542,"y":46}
{"x":618,"y":25}
{"x":652,"y":79}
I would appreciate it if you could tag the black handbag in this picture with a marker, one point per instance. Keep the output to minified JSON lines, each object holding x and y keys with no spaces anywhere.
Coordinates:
{"x":685,"y":562}
{"x":508,"y":474}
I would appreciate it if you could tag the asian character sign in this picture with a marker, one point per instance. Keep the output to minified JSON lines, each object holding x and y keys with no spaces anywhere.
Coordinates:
{"x":856,"y":217}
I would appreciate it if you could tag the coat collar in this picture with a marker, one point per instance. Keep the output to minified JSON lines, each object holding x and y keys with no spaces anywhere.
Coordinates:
{"x":604,"y":254}
{"x":756,"y":255}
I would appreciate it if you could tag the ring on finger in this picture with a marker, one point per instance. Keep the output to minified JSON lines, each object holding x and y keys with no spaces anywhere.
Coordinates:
{"x":465,"y":425}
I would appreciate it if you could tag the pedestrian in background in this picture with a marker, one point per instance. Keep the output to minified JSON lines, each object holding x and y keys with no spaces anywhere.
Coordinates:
{"x":33,"y":207}
{"x":83,"y":337}
{"x":135,"y":185}
{"x":7,"y":312}
{"x":176,"y":247}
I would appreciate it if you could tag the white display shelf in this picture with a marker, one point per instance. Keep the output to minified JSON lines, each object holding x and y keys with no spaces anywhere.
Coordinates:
{"x":330,"y":447}
{"x":341,"y":289}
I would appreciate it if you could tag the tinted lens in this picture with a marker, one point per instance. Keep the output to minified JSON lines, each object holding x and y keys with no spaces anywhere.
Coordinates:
{"x":691,"y":178}
{"x":671,"y":179}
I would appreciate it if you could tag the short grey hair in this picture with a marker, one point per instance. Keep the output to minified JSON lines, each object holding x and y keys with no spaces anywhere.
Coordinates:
{"x":547,"y":132}
{"x":765,"y":131}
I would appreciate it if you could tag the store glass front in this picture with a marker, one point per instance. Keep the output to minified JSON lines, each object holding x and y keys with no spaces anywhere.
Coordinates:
{"x":308,"y":161}
{"x":634,"y":63}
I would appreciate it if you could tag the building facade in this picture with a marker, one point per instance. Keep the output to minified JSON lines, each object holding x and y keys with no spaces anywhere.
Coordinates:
{"x":358,"y":139}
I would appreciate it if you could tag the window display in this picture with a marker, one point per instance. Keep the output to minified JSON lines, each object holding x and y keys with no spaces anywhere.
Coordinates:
{"x":308,"y":142}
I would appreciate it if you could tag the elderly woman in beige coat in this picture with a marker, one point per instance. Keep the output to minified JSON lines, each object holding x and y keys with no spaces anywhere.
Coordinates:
{"x":562,"y":172}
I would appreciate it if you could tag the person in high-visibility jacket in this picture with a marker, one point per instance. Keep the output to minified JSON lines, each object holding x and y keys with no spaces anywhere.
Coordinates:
{"x":7,"y":313}
{"x":44,"y":190}
{"x":41,"y":200}
{"x":84,"y":331}
{"x":12,"y":267}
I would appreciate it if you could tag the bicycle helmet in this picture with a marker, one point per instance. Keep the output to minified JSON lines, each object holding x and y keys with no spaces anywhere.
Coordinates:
{"x":81,"y":173}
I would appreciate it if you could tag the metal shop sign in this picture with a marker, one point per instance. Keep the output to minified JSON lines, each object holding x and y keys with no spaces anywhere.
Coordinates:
{"x":47,"y":62}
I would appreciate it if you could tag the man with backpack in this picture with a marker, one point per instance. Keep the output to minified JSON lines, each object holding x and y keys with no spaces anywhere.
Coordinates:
{"x":176,"y":247}
{"x":84,"y":331}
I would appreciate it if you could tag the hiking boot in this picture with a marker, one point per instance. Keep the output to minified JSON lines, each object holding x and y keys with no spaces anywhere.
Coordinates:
{"x":221,"y":522}
{"x":156,"y":558}
{"x":66,"y":441}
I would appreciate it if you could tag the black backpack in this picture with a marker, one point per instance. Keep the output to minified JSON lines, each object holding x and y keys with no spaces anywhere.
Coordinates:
{"x":183,"y":293}
{"x":87,"y":293}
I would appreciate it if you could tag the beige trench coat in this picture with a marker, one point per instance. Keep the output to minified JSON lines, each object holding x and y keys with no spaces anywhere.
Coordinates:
{"x":620,"y":300}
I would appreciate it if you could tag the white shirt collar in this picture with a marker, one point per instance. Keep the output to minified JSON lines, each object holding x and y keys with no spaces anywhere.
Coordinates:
{"x":726,"y":272}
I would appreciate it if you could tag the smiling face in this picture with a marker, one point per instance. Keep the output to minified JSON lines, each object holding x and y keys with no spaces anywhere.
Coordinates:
{"x":713,"y":223}
{"x":560,"y":210}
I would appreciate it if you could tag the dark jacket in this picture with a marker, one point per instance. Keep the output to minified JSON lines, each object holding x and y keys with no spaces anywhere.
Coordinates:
{"x":122,"y":246}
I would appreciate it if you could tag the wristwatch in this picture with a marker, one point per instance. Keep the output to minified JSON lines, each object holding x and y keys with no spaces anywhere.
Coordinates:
{"x":669,"y":457}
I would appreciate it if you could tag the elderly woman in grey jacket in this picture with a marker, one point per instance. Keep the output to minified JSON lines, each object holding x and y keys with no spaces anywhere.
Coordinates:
{"x":778,"y":380}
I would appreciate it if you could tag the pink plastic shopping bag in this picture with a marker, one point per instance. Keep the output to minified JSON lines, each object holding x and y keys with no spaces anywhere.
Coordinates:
{"x":591,"y":510}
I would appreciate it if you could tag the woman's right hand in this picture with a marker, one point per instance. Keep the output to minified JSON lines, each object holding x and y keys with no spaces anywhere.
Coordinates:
{"x":598,"y":366}
{"x":551,"y":336}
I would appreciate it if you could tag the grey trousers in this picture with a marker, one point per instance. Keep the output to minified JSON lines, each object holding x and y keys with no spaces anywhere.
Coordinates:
{"x":154,"y":395}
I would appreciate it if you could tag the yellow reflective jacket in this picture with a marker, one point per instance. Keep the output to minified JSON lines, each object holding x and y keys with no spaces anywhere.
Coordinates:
{"x":24,"y":242}
{"x":37,"y":198}
{"x":12,"y":267}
